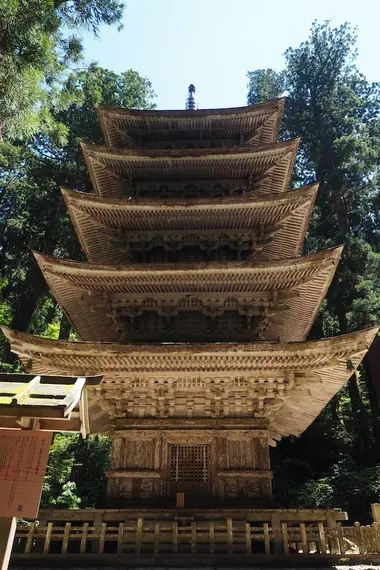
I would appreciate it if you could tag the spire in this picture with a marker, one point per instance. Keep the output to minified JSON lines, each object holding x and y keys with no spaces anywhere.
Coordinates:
{"x":191,"y":101}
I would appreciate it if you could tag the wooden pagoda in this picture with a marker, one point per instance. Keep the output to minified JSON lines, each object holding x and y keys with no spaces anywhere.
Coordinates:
{"x":194,"y":304}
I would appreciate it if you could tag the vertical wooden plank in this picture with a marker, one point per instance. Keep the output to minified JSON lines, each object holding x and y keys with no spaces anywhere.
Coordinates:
{"x":49,"y":530}
{"x":339,"y":531}
{"x":358,"y":537}
{"x":175,"y":538}
{"x":376,"y":538}
{"x":229,"y":536}
{"x":285,"y":538}
{"x":305,"y":548}
{"x":156,"y":539}
{"x":331,"y":525}
{"x":139,"y":530}
{"x":102,"y":539}
{"x":266,"y":539}
{"x":120,"y":536}
{"x":97,"y":523}
{"x":29,"y":540}
{"x":248,"y":541}
{"x":212,"y":538}
{"x":322,"y":537}
{"x":83,"y":540}
{"x":66,"y":535}
{"x":193,"y":537}
{"x":276,"y":532}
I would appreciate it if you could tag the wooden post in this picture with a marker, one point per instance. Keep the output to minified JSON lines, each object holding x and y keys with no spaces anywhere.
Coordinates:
{"x":266,"y":539}
{"x":376,"y":512}
{"x":276,"y":533}
{"x":322,"y":538}
{"x":212,"y":538}
{"x":7,"y":534}
{"x":97,"y":524}
{"x":83,"y":541}
{"x":120,"y":536}
{"x":285,"y":538}
{"x":48,"y":534}
{"x":332,"y":529}
{"x":230,"y":543}
{"x":248,"y":540}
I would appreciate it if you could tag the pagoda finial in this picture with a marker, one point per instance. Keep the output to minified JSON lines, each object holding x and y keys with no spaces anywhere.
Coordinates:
{"x":191,"y":101}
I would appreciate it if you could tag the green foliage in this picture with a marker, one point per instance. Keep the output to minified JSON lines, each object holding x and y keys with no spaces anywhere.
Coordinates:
{"x":76,"y":472}
{"x":34,"y":53}
{"x":264,"y":84}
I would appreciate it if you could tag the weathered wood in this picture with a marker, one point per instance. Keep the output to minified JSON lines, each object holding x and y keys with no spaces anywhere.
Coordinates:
{"x":175,"y":538}
{"x":29,"y":540}
{"x":139,"y":531}
{"x":156,"y":548}
{"x":212,"y":537}
{"x":49,"y":531}
{"x":266,"y":538}
{"x":322,"y":537}
{"x":305,"y":548}
{"x":358,"y":537}
{"x":340,"y":534}
{"x":193,"y":543}
{"x":229,"y":536}
{"x":102,"y":538}
{"x":248,"y":538}
{"x":66,"y":534}
{"x":285,"y":538}
{"x":83,"y":541}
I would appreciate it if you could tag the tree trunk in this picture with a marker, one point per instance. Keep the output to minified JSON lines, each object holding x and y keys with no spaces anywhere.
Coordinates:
{"x":30,"y":292}
{"x":373,"y":401}
{"x":64,"y":329}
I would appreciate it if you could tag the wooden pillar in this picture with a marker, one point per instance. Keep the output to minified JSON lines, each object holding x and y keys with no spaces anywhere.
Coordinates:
{"x":376,"y":512}
{"x":7,"y":534}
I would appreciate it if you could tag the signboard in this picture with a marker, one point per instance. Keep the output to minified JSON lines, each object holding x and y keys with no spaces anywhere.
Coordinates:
{"x":23,"y":459}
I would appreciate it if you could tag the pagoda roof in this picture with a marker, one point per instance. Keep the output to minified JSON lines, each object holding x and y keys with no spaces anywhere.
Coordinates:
{"x":90,"y":294}
{"x":308,"y":373}
{"x":94,"y":218}
{"x":255,"y":125}
{"x":267,"y":170}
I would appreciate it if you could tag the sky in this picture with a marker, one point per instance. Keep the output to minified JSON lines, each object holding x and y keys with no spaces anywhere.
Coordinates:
{"x":213,"y":43}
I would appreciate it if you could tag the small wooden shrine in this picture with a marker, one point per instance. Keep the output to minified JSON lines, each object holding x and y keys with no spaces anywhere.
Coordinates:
{"x":194,"y":304}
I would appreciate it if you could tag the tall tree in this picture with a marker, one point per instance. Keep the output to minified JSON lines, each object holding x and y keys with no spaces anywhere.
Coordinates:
{"x":335,"y":111}
{"x":33,"y":213}
{"x":35,"y":49}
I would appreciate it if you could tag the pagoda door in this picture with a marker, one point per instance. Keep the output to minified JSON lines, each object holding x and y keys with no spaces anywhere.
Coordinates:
{"x":190,"y":470}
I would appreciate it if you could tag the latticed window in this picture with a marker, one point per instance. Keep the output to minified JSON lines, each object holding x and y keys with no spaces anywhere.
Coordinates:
{"x":189,"y":463}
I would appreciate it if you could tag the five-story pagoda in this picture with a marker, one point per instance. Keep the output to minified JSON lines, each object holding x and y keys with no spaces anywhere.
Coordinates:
{"x":194,"y":304}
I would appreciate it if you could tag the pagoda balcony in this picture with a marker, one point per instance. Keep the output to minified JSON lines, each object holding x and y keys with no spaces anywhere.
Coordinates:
{"x":182,"y":537}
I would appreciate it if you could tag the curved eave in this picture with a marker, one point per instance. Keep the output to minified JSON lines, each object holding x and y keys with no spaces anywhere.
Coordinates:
{"x":91,"y":215}
{"x":309,"y":277}
{"x":331,"y":360}
{"x":111,"y":170}
{"x":129,"y":127}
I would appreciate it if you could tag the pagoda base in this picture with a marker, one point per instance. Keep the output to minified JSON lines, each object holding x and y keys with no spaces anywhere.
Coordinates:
{"x":210,"y":461}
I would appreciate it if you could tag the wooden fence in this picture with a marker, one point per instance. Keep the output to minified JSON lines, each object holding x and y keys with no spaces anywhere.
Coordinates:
{"x":142,"y":537}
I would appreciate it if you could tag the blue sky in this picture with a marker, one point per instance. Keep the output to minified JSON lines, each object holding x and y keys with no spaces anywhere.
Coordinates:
{"x":213,"y":43}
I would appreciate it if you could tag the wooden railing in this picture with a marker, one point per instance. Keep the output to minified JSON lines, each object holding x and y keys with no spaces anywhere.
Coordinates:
{"x":146,"y":538}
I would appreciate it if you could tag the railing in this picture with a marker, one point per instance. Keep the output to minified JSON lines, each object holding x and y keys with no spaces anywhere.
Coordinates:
{"x":148,"y":538}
